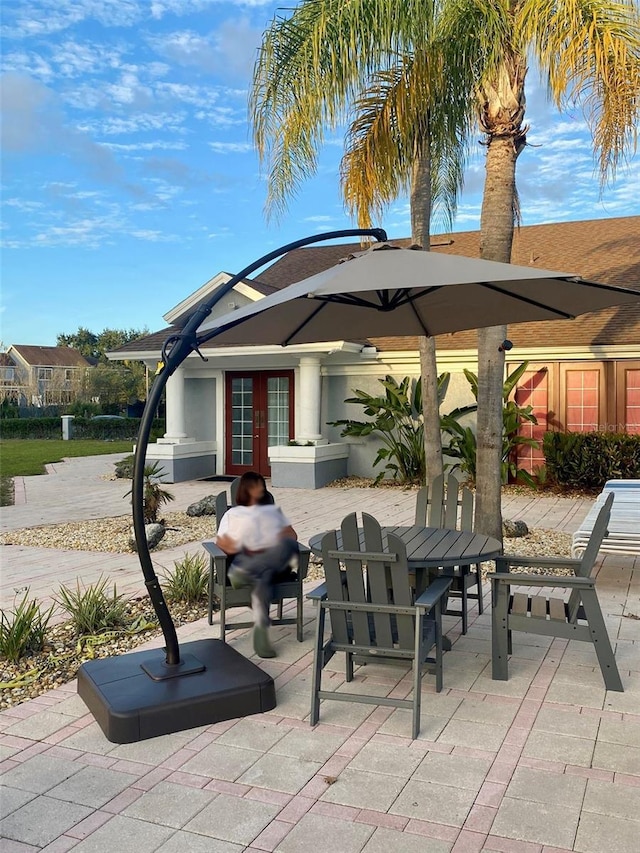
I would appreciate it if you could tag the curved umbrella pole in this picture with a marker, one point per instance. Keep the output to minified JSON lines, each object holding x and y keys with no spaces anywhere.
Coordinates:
{"x":175,"y":350}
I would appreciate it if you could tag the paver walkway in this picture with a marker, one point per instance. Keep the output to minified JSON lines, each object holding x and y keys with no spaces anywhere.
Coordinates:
{"x":547,"y":762}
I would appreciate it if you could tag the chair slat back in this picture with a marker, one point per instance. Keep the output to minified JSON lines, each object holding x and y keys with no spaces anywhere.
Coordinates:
{"x":378,"y":576}
{"x":451,"y":507}
{"x":355,"y":578}
{"x":335,"y":588}
{"x":590,"y":555}
{"x":466,"y":501}
{"x":222,"y":505}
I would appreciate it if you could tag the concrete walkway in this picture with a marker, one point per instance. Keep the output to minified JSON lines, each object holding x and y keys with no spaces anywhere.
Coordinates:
{"x":547,"y":762}
{"x":79,"y":489}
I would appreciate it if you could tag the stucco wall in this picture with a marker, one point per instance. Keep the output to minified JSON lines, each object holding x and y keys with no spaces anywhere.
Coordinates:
{"x":200,"y":408}
{"x":336,"y":389}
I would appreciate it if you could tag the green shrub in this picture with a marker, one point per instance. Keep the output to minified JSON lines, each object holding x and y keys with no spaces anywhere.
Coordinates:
{"x":31,"y":428}
{"x":93,"y":608}
{"x":23,"y":630}
{"x":588,"y":459}
{"x":189,"y":579}
{"x":103,"y":430}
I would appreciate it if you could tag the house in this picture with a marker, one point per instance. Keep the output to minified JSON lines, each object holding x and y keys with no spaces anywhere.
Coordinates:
{"x":42,"y":376}
{"x":242,"y":407}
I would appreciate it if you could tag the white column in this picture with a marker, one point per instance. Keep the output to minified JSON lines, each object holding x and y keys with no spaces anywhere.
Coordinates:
{"x":309,"y":399}
{"x":175,"y":406}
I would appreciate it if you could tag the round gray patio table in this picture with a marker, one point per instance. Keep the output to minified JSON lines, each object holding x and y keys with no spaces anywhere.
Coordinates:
{"x":430,"y":549}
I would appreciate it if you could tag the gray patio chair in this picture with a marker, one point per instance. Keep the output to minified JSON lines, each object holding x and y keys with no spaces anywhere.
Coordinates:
{"x":291,"y":586}
{"x":452,"y":508}
{"x":373,"y":614}
{"x":579,"y":618}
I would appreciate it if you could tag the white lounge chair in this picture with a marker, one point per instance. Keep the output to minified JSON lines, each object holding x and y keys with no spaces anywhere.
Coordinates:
{"x":623,"y":534}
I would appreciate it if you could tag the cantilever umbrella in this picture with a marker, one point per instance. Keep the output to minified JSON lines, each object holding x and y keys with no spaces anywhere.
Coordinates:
{"x":387,"y":291}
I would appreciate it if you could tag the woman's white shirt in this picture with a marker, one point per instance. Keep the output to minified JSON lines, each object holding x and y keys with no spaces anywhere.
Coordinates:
{"x":253,"y":528}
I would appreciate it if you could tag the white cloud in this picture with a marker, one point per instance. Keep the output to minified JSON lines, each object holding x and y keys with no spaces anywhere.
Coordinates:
{"x":229,"y":51}
{"x":157,"y":145}
{"x":231,"y":147}
{"x":43,"y":17}
{"x":319,"y":218}
{"x":115,"y":126}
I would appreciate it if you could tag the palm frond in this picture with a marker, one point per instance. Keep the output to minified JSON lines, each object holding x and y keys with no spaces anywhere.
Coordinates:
{"x":590,"y":52}
{"x":310,"y":67}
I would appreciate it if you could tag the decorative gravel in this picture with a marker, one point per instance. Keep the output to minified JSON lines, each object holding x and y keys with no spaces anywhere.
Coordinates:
{"x":110,"y":534}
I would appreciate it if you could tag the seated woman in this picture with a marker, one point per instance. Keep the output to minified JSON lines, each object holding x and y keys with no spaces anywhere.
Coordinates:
{"x":262,"y":542}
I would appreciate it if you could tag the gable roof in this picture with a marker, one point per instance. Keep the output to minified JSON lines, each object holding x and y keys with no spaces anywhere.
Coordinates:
{"x":604,"y":250}
{"x":36,"y":356}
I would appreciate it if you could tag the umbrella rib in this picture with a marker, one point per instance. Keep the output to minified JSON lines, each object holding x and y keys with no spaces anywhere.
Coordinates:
{"x":347,"y":299}
{"x":526,"y":299}
{"x":419,"y":318}
{"x":301,"y":326}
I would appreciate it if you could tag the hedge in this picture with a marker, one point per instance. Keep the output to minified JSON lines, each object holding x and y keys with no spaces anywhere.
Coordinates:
{"x":104,"y":430}
{"x":589,"y":459}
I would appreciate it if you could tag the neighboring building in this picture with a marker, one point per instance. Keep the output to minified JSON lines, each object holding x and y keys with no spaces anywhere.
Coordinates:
{"x":224,"y":414}
{"x":42,"y":376}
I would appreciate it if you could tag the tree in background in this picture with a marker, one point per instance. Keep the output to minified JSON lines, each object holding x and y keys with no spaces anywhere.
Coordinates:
{"x":589,"y":53}
{"x":113,"y":384}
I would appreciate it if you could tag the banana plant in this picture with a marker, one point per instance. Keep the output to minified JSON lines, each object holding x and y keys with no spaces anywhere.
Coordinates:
{"x":463,"y":444}
{"x":396,"y":420}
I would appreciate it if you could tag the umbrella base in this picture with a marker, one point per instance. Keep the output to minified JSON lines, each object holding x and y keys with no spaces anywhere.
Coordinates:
{"x":130,"y":705}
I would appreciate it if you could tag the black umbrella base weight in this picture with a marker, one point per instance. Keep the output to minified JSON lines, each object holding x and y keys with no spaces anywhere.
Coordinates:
{"x":129,"y":705}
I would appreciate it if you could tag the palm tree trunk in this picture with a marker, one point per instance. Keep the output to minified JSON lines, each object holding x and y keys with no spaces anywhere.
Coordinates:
{"x":420,"y":199}
{"x":501,"y":116}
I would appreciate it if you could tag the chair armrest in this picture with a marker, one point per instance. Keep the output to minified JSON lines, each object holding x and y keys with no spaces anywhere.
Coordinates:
{"x":304,"y":554}
{"x":434,"y":593}
{"x":319,"y":593}
{"x":504,"y":562}
{"x":214,"y":550}
{"x":541,"y":580}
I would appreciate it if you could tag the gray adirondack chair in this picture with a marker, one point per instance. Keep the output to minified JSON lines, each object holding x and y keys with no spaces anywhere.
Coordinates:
{"x":373,"y":613}
{"x":219,"y":586}
{"x":580,"y":618}
{"x":452,"y":507}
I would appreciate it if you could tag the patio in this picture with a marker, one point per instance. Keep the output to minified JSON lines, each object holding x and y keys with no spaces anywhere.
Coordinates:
{"x":548,"y":761}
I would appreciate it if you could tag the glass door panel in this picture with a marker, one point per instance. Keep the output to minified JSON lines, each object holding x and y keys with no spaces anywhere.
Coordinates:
{"x":242,"y":422}
{"x":278,"y":414}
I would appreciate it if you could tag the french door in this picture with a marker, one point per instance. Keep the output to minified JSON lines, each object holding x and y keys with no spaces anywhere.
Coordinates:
{"x":259,"y":414}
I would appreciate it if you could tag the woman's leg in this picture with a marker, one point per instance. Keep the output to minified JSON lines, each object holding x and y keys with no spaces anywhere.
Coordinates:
{"x":259,"y":571}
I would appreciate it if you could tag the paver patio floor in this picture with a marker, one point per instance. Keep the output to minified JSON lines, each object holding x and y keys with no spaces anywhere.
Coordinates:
{"x":544,"y":763}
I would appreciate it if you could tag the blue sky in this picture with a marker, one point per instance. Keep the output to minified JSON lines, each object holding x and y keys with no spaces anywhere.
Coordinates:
{"x":129,"y":176}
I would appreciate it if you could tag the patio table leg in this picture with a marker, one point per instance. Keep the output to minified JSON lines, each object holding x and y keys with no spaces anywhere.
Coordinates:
{"x":499,"y":631}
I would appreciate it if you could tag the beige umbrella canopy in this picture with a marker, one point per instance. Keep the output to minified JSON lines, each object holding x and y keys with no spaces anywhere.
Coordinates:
{"x":387,"y":291}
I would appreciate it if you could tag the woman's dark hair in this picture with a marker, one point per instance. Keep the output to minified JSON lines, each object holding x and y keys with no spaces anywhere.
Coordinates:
{"x":251,"y":478}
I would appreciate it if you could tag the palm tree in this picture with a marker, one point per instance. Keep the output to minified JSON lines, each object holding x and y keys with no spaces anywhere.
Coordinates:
{"x":381,"y":63}
{"x":589,"y":50}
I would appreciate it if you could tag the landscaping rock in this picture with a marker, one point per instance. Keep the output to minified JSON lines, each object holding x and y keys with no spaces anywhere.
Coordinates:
{"x":514,"y":529}
{"x":154,"y":532}
{"x":205,"y":506}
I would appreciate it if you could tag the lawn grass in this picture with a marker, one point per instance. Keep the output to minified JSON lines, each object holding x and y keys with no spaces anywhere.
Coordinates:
{"x":24,"y":457}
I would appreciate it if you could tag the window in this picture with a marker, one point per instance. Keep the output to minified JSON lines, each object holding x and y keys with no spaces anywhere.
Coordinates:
{"x":582,"y":400}
{"x":632,"y":401}
{"x":8,"y":374}
{"x":45,"y":373}
{"x":68,"y":374}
